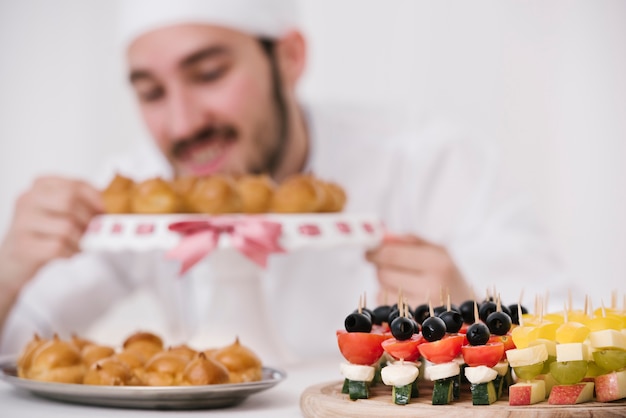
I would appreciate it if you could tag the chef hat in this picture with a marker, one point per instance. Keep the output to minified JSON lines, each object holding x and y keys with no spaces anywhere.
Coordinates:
{"x":263,"y":18}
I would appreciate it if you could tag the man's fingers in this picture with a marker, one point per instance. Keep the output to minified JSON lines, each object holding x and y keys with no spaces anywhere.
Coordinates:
{"x":91,"y":196}
{"x":415,"y":288}
{"x":410,"y":257}
{"x":403,"y":239}
{"x":75,"y":200}
{"x":59,"y":227}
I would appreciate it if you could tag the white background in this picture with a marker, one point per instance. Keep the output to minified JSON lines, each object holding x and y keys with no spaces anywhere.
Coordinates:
{"x":544,"y":80}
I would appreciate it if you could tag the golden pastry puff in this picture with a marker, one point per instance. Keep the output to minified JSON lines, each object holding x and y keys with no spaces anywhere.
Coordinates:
{"x":183,"y":187}
{"x":109,"y":372}
{"x":242,"y":364}
{"x":93,"y":352}
{"x":80,"y":342}
{"x":335,"y":197}
{"x":184,"y":351}
{"x":155,"y":196}
{"x":215,"y":195}
{"x":57,"y":361}
{"x":134,"y":361}
{"x":299,"y":194}
{"x":146,"y":344}
{"x":24,"y":361}
{"x":116,"y":197}
{"x":204,"y":371}
{"x":256,"y":193}
{"x":164,"y":369}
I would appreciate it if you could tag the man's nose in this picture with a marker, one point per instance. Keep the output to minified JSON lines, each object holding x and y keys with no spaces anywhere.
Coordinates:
{"x":184,"y":114}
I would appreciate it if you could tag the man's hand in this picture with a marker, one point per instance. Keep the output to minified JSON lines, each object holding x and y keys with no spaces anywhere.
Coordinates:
{"x":48,"y":223}
{"x":419,"y":269}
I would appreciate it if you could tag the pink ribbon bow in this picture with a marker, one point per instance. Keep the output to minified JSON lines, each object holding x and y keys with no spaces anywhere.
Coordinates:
{"x":255,"y":238}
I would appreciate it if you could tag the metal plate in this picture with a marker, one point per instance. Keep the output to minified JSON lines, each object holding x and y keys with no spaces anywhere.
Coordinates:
{"x":145,"y":397}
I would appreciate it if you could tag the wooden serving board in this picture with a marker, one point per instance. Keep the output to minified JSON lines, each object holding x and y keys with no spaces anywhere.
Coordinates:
{"x":326,"y":400}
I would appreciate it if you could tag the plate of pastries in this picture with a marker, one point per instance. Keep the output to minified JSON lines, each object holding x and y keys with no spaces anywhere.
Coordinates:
{"x":142,"y":373}
{"x":223,"y":194}
{"x":138,"y":214}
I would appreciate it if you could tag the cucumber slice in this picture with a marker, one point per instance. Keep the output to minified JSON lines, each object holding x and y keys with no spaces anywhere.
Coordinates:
{"x":498,"y":384}
{"x":483,"y":393}
{"x":344,"y":387}
{"x":358,"y":390}
{"x":456,"y":387}
{"x":442,"y":391}
{"x":415,"y":391}
{"x":401,"y":394}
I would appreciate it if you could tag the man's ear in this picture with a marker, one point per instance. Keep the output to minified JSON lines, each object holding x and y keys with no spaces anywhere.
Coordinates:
{"x":291,"y":54}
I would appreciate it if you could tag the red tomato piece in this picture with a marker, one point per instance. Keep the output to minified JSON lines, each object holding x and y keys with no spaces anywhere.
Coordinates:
{"x":483,"y":355}
{"x":444,"y":350}
{"x":361,"y":347}
{"x":507,"y":340}
{"x":404,"y":350}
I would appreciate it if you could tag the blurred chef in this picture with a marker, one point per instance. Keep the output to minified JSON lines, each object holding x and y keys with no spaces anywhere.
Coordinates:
{"x":216,"y":83}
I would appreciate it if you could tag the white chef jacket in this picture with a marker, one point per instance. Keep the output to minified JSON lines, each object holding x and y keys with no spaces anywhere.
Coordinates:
{"x":425,"y":180}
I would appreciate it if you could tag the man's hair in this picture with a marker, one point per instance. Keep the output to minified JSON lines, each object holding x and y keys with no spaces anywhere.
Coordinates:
{"x":269,"y":47}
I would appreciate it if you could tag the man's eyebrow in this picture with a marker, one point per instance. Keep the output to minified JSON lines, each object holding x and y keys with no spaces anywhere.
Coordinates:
{"x":137,"y":75}
{"x":208,"y":52}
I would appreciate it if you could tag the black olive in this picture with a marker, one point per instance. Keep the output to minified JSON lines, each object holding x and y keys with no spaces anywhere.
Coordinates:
{"x":366,"y":311}
{"x":467,"y":311}
{"x":381,"y":313}
{"x":499,"y":323}
{"x":358,"y":322}
{"x":416,"y":326}
{"x":453,"y":321}
{"x":439,"y":309}
{"x":478,"y":334}
{"x":421,"y":313}
{"x":433,"y":328}
{"x":393,"y":314}
{"x":402,"y":328}
{"x":514,"y":313}
{"x":485,"y":309}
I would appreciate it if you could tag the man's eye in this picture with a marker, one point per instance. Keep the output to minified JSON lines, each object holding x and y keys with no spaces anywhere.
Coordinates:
{"x":208,"y":76}
{"x":150,"y":95}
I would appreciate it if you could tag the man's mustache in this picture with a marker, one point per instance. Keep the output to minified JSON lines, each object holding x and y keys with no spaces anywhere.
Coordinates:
{"x":205,"y":135}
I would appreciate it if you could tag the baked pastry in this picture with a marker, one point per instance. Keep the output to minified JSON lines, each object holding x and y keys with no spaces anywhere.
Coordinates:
{"x":204,"y":371}
{"x":299,"y":194}
{"x":93,"y":352}
{"x":57,"y":361}
{"x":184,"y":351}
{"x":334,"y":198}
{"x":116,"y":197}
{"x":183,"y":187}
{"x":110,"y":372}
{"x":242,"y":364}
{"x":215,"y":195}
{"x":24,"y":361}
{"x":155,"y":196}
{"x":80,"y":342}
{"x":146,"y":344}
{"x":164,"y":369}
{"x":256,"y":193}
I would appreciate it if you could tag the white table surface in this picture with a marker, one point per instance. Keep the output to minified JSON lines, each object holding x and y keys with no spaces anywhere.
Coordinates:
{"x":283,"y":400}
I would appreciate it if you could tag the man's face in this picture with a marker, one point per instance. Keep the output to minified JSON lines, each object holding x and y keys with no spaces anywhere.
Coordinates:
{"x":207,"y":96}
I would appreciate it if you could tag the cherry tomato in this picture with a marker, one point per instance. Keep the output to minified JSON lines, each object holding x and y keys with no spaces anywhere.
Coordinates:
{"x":507,"y":340}
{"x":404,"y":350}
{"x":361,"y":347}
{"x":444,"y":350}
{"x":483,"y":355}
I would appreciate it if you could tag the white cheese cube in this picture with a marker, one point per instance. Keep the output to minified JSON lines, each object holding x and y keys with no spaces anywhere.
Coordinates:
{"x":357,"y":372}
{"x":480,"y":374}
{"x":571,"y":352}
